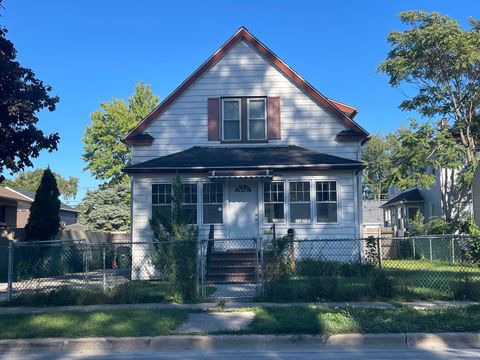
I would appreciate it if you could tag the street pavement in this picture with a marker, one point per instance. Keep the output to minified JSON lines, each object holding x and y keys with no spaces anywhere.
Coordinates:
{"x":241,"y":354}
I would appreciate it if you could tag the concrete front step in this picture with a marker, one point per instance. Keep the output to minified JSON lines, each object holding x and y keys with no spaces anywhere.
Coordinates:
{"x":230,"y":278}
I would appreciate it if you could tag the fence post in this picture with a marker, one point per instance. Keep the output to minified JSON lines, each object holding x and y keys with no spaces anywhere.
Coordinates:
{"x":10,"y":271}
{"x":430,"y":246}
{"x":104,"y":269}
{"x":197,"y":268}
{"x":379,"y":253}
{"x":452,"y":240}
{"x":413,"y":245}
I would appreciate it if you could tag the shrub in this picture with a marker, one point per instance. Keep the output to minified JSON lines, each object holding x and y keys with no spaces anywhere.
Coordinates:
{"x":464,"y":288}
{"x":277,"y":256}
{"x":316,"y":268}
{"x":175,"y":244}
{"x":383,"y":285}
{"x":472,"y":241}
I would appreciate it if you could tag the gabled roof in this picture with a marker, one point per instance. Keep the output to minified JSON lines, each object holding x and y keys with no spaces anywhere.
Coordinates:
{"x":27,"y":196}
{"x":408,"y":196}
{"x":205,"y":158}
{"x":342,"y":112}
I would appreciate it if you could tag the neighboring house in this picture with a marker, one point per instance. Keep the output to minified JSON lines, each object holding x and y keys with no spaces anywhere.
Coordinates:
{"x":15,"y":208}
{"x":254,"y":145}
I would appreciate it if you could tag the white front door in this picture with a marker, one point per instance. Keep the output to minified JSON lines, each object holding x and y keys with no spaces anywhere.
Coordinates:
{"x":242,"y":212}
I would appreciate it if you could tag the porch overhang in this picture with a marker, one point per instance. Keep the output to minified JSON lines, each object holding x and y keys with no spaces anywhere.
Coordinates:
{"x":250,"y":158}
{"x":240,"y":174}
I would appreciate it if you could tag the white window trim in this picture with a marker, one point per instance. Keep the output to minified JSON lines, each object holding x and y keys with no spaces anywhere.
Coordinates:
{"x":202,"y":204}
{"x":309,"y":182}
{"x":337,"y":202}
{"x":239,"y":118}
{"x":248,"y":118}
{"x":285,"y":220}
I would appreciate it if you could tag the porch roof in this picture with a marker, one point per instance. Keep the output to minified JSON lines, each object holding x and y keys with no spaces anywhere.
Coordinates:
{"x":409,"y":196}
{"x":199,"y":158}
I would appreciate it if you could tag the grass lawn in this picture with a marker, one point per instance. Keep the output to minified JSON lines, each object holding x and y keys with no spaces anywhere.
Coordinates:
{"x":101,"y":323}
{"x":131,"y":292}
{"x":408,"y":280}
{"x":323,"y":320}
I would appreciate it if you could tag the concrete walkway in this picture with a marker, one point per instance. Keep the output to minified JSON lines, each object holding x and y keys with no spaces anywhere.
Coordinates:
{"x":227,"y":306}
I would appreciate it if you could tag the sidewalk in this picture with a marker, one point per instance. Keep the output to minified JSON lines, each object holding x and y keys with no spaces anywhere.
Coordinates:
{"x":226,"y":306}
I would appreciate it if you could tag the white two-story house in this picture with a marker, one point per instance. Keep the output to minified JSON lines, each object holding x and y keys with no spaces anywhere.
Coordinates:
{"x":255,"y":145}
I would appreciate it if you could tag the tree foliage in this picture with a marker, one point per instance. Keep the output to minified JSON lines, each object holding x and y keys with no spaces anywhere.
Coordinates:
{"x":175,"y":244}
{"x":107,"y":208}
{"x":441,"y":60}
{"x":377,"y":158}
{"x":104,"y":152}
{"x":22,"y":96}
{"x":424,"y":154}
{"x":44,"y":219}
{"x":30,"y":180}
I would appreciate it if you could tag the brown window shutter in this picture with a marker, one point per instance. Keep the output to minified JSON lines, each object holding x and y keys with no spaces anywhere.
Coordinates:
{"x":273,"y":115}
{"x":213,"y":119}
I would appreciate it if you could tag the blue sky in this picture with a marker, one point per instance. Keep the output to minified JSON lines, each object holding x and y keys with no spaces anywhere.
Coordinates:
{"x":93,"y":51}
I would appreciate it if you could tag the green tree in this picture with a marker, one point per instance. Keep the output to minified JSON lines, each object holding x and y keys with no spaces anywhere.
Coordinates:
{"x":30,"y":180}
{"x":107,"y":208}
{"x":175,"y":244}
{"x":377,"y":158}
{"x":22,"y":96}
{"x":441,"y":60}
{"x":423,"y":150}
{"x":44,"y":219}
{"x":104,"y":153}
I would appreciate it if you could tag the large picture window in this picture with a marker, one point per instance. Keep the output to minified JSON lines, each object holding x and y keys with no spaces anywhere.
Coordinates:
{"x":273,"y":202}
{"x":213,"y":203}
{"x":300,"y":202}
{"x":162,"y":202}
{"x":231,"y":119}
{"x":326,"y":201}
{"x":257,"y":119}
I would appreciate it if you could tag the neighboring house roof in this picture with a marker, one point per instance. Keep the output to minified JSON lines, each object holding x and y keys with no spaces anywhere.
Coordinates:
{"x":342,"y":112}
{"x":27,"y":196}
{"x":272,"y":157}
{"x":412,"y":195}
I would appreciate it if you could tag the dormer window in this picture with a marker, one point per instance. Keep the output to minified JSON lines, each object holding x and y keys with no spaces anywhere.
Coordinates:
{"x":257,"y":119}
{"x":231,"y":116}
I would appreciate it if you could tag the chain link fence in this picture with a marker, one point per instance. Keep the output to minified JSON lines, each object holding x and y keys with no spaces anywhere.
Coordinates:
{"x":281,"y":269}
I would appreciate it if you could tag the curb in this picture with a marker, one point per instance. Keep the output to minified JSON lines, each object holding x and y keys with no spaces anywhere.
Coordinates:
{"x":257,"y":342}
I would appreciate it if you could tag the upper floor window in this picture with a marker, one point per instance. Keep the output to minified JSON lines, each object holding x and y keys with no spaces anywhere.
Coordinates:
{"x":231,"y":118}
{"x":257,"y":119}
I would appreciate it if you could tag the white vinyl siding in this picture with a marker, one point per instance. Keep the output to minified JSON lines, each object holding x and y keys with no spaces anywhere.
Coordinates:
{"x":244,"y":72}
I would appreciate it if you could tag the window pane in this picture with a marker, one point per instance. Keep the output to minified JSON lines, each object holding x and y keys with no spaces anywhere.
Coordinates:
{"x":256,"y":109}
{"x":300,"y":213}
{"x":190,"y":193}
{"x":231,"y":110}
{"x":190,"y":214}
{"x":257,"y":130}
{"x":161,"y":213}
{"x":326,"y":212}
{"x":231,"y":130}
{"x":212,"y":214}
{"x":274,"y":213}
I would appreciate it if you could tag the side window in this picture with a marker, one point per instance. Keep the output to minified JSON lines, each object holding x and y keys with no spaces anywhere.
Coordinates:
{"x":213,"y":203}
{"x":274,"y":202}
{"x":257,"y":119}
{"x":231,"y":119}
{"x":326,"y":201}
{"x":300,"y":202}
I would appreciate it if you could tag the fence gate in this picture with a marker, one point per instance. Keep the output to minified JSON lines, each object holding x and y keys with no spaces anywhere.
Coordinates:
{"x":230,"y":268}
